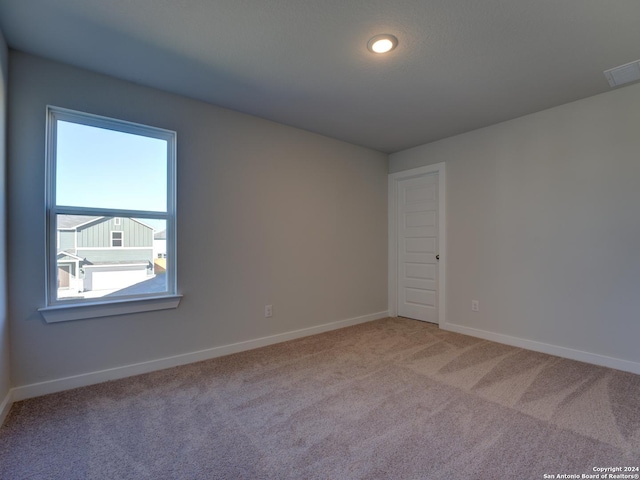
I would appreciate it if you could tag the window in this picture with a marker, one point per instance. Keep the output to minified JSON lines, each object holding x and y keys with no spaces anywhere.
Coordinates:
{"x":116,"y":239}
{"x":100,"y":240}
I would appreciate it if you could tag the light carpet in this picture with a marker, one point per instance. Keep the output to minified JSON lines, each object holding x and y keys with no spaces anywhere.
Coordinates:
{"x":389,"y":399}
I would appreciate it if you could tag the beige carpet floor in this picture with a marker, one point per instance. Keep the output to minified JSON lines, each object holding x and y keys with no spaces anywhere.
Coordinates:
{"x":390,"y":399}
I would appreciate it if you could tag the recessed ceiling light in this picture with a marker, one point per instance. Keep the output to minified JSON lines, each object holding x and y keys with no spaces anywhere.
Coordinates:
{"x":382,"y":43}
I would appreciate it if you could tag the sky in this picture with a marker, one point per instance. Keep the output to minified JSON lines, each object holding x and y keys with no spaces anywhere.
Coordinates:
{"x":102,"y":168}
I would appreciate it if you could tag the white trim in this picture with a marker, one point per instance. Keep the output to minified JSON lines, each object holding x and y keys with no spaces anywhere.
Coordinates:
{"x":394,"y":178}
{"x":143,"y":224}
{"x":5,"y":406}
{"x":91,"y":378}
{"x":54,"y":114}
{"x":579,"y":355}
{"x":67,"y":254}
{"x":101,"y":213}
{"x":108,"y":308}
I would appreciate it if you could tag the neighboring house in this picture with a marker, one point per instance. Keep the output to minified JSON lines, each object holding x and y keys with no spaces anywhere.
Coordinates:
{"x":102,"y":253}
{"x":160,"y":252}
{"x":160,"y":244}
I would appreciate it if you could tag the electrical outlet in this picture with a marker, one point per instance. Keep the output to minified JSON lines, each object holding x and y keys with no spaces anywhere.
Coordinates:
{"x":475,"y":306}
{"x":268,"y":311}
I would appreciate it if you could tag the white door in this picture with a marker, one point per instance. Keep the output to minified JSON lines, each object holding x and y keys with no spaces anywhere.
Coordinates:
{"x":418,"y":248}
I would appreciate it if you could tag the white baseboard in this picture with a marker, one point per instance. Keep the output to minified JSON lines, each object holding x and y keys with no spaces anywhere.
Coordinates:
{"x":91,"y":378}
{"x":5,"y":406}
{"x":604,"y":361}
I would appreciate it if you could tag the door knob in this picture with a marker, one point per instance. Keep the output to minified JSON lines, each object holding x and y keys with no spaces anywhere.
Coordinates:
{"x":437,"y":257}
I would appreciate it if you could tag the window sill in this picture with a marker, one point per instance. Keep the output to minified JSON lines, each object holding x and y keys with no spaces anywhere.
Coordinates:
{"x":64,"y":313}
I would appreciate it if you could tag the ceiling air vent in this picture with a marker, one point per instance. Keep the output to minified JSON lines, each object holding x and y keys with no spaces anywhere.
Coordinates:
{"x":629,"y":72}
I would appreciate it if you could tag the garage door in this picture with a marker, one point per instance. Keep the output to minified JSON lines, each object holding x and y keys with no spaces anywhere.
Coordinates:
{"x":117,"y":279}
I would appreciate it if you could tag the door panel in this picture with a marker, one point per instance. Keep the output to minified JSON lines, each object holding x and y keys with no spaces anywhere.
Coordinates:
{"x":418,"y":247}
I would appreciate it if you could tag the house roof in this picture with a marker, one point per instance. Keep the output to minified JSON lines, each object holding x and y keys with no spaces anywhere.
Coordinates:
{"x":68,"y":222}
{"x":64,"y":253}
{"x":160,"y":235}
{"x":71,"y":222}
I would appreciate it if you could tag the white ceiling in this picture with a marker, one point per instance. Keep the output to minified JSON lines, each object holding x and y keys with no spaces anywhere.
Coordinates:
{"x":460,"y":64}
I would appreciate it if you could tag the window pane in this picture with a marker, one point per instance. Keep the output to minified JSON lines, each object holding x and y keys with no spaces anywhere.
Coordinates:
{"x":90,"y":265}
{"x":100,"y":168}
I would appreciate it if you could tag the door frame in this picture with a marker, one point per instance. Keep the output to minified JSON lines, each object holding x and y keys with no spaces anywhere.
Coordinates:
{"x":394,"y":179}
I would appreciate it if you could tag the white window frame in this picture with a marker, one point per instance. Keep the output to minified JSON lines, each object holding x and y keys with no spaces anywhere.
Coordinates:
{"x":116,"y":221}
{"x":62,"y":310}
{"x":121,"y":238}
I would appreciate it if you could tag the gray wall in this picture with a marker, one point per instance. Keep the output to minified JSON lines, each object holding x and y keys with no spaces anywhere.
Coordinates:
{"x":267,"y":214}
{"x":543,"y":224}
{"x":5,"y":377}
